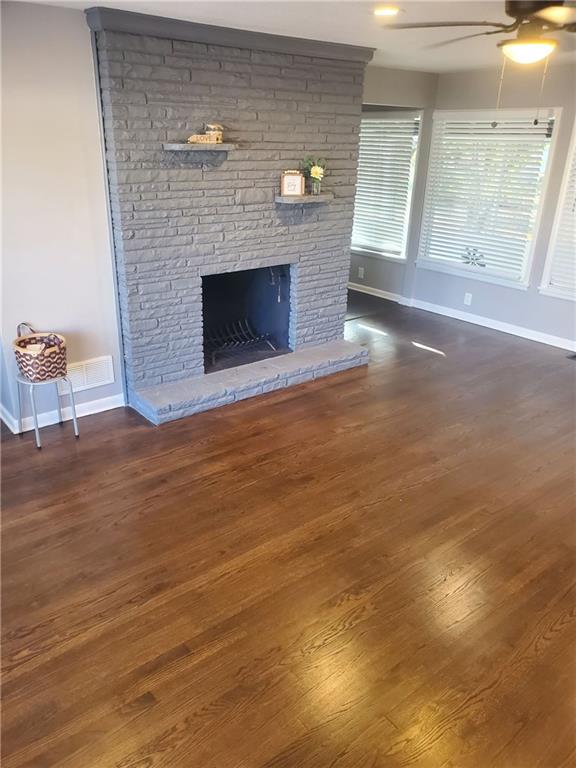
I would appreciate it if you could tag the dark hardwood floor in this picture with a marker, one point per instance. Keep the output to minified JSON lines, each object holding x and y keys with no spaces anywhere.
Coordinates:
{"x":372,"y":571}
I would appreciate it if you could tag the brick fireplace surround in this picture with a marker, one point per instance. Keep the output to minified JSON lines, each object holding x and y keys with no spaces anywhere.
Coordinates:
{"x":178,"y":216}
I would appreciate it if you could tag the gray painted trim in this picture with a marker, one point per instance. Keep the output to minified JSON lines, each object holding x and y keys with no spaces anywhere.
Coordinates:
{"x":113,"y":20}
{"x":112,"y":246}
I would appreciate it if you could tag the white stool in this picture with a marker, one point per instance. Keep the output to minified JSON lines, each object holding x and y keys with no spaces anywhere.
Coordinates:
{"x":31,"y":384}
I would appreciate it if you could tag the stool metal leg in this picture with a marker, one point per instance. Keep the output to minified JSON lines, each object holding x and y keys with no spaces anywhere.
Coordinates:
{"x":58,"y":404}
{"x":35,"y":416}
{"x":73,"y":405}
{"x":19,"y":408}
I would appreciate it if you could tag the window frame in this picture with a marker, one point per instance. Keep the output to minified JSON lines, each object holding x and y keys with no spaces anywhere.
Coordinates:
{"x":545,"y":286}
{"x":522,"y":282}
{"x":394,"y":114}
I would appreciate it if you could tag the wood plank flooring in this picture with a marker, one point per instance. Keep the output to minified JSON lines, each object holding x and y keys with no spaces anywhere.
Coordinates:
{"x":372,"y":571}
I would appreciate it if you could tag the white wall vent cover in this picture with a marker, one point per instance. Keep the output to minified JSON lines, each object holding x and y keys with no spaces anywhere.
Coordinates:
{"x":88,"y":374}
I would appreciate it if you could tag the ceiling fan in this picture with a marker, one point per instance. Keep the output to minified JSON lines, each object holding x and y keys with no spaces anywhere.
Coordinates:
{"x":531,"y":20}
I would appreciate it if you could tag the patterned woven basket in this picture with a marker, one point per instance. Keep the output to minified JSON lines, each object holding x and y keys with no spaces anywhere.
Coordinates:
{"x":41,"y":355}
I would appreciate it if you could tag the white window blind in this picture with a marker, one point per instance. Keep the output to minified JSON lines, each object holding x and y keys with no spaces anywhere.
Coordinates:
{"x":560,"y":274}
{"x":386,"y":159}
{"x":483,"y":193}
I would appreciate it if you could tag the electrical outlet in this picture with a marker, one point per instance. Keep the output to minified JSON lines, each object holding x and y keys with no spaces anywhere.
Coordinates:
{"x":467,"y":299}
{"x":361,"y":273}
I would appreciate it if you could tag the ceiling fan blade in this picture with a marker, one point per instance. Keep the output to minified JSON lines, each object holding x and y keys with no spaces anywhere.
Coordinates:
{"x":558,"y":14}
{"x":464,"y":37}
{"x":438,"y":24}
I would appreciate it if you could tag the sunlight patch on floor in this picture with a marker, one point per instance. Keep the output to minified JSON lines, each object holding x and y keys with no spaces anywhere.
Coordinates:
{"x":373,"y":330}
{"x":428,"y":349}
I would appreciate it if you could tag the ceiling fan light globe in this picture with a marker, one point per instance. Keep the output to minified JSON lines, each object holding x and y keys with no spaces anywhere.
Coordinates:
{"x":527,"y":51}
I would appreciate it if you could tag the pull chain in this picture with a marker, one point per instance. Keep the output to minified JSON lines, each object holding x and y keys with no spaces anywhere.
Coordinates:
{"x":544,"y":73}
{"x":498,"y":98}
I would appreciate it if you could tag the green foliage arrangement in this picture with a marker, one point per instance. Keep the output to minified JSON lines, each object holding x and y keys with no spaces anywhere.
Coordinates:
{"x":313,"y":168}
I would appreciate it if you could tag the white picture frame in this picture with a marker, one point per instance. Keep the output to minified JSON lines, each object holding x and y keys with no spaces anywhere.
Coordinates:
{"x":292,"y":184}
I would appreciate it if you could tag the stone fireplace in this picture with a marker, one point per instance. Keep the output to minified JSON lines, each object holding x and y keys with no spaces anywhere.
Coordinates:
{"x":225,"y":292}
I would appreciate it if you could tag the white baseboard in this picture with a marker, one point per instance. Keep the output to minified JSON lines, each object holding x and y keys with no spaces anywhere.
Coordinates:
{"x":468,"y":317}
{"x":377,"y":292}
{"x":51,"y":417}
{"x":496,"y":325}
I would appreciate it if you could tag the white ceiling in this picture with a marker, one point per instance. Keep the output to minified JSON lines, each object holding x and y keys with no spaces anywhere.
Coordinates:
{"x":354,"y":23}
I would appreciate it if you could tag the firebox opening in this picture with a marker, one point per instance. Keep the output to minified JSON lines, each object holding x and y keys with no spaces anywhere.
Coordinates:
{"x":246,"y":316}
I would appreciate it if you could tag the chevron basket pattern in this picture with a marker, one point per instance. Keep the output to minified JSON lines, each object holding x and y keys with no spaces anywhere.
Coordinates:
{"x":41,"y":355}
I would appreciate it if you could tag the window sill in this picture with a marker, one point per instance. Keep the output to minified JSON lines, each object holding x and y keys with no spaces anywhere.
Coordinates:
{"x":378,"y":255}
{"x":465,"y":274}
{"x":546,"y":290}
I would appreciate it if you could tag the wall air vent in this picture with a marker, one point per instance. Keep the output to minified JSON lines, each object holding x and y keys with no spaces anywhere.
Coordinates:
{"x":89,"y":374}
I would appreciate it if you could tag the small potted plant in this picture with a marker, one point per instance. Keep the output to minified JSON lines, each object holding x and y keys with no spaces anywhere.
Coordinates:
{"x":314,"y":169}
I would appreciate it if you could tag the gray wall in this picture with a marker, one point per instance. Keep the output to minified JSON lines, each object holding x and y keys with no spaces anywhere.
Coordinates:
{"x":529,"y":308}
{"x":57,"y":266}
{"x":400,"y":87}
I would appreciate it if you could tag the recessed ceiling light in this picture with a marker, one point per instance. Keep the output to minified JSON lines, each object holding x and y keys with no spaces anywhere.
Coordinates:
{"x":386,"y":10}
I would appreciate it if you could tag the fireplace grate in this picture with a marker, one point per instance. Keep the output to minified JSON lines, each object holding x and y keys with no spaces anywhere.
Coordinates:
{"x":234,"y":338}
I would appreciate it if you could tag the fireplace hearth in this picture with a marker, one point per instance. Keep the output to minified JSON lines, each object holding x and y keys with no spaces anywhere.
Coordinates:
{"x":245,"y":316}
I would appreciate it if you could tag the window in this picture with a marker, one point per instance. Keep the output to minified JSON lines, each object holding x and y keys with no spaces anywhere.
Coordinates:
{"x":485,"y":182}
{"x":560,"y":271}
{"x":386,"y":160}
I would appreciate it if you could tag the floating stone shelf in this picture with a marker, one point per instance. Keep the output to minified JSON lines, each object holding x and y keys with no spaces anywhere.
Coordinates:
{"x":323,"y":197}
{"x":198,"y":147}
